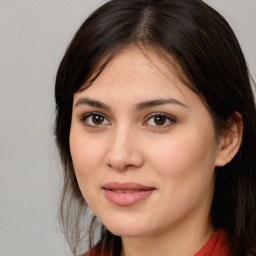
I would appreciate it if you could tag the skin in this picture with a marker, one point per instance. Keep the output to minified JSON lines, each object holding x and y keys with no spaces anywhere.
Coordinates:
{"x":177,"y":158}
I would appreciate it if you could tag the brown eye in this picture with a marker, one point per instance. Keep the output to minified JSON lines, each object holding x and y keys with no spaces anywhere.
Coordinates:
{"x":95,"y":120}
{"x":159,"y":120}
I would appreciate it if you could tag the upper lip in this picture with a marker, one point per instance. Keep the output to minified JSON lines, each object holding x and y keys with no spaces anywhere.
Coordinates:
{"x":126,"y":186}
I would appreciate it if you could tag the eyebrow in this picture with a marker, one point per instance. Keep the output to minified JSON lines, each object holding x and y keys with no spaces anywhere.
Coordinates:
{"x":92,"y":103}
{"x":138,"y":107}
{"x":158,"y":102}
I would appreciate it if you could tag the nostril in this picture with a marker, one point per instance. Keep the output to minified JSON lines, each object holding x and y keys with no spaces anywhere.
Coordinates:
{"x":123,"y":162}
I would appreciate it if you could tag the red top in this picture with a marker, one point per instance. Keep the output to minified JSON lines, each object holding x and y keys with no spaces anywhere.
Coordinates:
{"x":217,"y":245}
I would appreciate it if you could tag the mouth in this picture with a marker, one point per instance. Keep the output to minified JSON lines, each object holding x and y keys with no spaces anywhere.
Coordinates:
{"x":125,"y":191}
{"x":127,"y":194}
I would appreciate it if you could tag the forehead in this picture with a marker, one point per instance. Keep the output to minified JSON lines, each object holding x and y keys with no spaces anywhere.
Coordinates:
{"x":139,"y":74}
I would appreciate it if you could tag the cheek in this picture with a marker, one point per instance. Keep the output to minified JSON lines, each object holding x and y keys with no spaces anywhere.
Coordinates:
{"x":87,"y":160}
{"x":185,"y":170}
{"x":183,"y":156}
{"x":86,"y":156}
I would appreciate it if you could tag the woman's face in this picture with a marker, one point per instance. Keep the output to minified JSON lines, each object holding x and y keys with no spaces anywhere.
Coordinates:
{"x":144,"y":148}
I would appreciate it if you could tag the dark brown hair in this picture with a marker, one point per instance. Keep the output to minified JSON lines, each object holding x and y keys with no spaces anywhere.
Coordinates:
{"x":210,"y":60}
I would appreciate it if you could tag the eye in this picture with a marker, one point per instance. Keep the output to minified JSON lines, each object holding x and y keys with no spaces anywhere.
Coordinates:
{"x":94,"y":120}
{"x":159,"y":120}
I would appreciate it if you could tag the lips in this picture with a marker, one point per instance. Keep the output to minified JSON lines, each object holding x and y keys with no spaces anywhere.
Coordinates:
{"x":126,"y":194}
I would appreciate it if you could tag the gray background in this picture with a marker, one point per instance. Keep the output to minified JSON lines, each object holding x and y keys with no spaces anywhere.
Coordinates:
{"x":33,"y":37}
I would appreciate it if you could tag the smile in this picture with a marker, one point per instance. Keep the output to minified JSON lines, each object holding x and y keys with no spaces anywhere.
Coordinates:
{"x":126,"y":194}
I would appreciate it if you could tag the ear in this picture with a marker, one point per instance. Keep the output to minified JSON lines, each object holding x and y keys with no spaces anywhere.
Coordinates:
{"x":230,"y":140}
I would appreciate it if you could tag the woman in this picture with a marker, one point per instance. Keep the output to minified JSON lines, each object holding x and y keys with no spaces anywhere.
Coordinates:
{"x":156,"y":128}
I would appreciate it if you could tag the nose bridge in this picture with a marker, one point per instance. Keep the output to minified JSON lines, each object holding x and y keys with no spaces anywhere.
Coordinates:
{"x":123,"y":151}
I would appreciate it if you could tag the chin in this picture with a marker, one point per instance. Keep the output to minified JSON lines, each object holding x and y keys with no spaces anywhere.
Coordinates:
{"x":128,"y":232}
{"x":125,"y":228}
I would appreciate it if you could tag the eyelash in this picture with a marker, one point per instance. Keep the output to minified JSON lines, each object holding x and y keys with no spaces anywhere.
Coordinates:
{"x":84,"y":119}
{"x":167,"y":118}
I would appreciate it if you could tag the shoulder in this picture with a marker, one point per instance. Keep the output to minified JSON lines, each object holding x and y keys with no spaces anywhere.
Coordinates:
{"x":217,"y":245}
{"x":94,"y":251}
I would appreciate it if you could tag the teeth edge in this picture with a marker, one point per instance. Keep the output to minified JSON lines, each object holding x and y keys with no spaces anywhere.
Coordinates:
{"x":125,"y":191}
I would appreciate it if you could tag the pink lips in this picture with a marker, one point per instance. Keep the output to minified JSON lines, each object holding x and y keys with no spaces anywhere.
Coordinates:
{"x":126,"y":194}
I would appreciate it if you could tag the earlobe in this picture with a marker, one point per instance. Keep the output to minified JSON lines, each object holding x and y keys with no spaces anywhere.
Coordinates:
{"x":230,"y":140}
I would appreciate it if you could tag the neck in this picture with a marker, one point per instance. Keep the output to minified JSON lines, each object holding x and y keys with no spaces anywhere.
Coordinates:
{"x":179,"y":242}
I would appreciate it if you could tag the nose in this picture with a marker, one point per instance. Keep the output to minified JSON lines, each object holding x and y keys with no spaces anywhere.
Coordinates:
{"x":123,"y":152}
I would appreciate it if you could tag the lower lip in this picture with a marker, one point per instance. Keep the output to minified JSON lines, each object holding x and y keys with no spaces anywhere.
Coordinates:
{"x":127,"y":199}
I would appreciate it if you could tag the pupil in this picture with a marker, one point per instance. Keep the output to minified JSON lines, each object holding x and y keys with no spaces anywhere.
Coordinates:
{"x":97,"y":119}
{"x":160,"y":120}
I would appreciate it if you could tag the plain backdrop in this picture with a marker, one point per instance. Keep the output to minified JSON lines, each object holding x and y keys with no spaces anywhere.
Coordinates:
{"x":33,"y":37}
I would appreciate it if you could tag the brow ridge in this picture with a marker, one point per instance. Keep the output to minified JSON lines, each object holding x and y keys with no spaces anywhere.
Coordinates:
{"x":92,"y":103}
{"x":138,"y":107}
{"x":158,"y":102}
